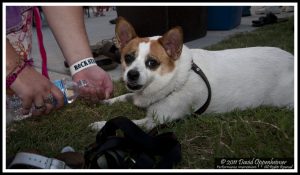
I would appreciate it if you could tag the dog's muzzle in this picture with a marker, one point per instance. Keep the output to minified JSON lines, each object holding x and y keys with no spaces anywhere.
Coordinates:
{"x":133,"y":75}
{"x":132,"y":80}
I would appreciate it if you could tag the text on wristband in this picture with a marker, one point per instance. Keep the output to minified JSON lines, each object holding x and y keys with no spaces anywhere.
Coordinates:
{"x":84,"y":63}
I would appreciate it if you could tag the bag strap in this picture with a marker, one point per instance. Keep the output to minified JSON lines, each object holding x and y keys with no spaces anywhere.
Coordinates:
{"x":131,"y":131}
{"x":39,"y":33}
{"x":135,"y":138}
{"x":94,"y":150}
{"x":37,"y":161}
{"x":173,"y":154}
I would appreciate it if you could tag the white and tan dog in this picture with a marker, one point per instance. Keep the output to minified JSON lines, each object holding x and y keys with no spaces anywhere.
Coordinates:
{"x":158,"y":72}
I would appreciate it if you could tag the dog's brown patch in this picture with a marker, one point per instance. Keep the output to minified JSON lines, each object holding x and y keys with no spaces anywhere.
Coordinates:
{"x":131,"y":47}
{"x":124,"y":32}
{"x":172,"y":42}
{"x":158,"y":52}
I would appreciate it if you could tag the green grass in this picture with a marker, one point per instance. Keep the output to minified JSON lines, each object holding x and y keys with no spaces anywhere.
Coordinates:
{"x":264,"y":132}
{"x":277,"y":35}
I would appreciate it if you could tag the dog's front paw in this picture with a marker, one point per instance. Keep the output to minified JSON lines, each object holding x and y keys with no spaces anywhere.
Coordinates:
{"x":97,"y":126}
{"x":107,"y":102}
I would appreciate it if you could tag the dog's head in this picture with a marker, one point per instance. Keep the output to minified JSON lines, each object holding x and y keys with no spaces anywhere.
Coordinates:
{"x":146,"y":59}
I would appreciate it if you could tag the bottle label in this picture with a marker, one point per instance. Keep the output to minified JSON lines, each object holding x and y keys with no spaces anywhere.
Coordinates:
{"x":61,"y":87}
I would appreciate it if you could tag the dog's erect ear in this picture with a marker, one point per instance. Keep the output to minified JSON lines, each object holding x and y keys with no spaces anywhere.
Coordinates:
{"x":124,"y":32}
{"x":172,"y":42}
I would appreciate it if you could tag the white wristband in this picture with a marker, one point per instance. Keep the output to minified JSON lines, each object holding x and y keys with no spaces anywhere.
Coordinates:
{"x":82,"y":64}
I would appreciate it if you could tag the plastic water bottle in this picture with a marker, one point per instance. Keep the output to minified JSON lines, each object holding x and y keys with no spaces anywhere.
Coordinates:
{"x":69,"y":88}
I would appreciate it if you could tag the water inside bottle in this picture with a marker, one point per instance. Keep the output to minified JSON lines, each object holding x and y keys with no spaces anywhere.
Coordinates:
{"x":70,"y":94}
{"x":71,"y":91}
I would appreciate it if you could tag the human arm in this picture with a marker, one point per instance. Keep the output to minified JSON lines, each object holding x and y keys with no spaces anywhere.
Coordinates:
{"x":67,"y":25}
{"x":23,"y":86}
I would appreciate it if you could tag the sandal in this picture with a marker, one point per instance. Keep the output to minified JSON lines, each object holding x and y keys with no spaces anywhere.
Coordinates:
{"x":105,"y":62}
{"x":106,"y":54}
{"x":270,"y":18}
{"x":106,"y":48}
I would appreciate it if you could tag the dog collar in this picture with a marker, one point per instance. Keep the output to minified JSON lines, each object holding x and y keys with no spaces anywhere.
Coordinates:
{"x":198,"y":71}
{"x":37,"y":161}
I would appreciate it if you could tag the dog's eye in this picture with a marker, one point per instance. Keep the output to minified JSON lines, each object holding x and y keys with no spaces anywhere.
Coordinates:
{"x":129,"y":59}
{"x":152,"y":63}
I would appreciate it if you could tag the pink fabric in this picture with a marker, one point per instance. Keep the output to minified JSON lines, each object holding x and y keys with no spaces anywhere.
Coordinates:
{"x":20,"y":36}
{"x":38,"y":24}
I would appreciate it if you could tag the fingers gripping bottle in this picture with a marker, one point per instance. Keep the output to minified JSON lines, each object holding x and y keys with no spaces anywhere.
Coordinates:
{"x":69,"y":88}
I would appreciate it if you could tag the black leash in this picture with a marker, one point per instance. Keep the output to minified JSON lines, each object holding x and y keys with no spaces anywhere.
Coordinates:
{"x":198,"y":71}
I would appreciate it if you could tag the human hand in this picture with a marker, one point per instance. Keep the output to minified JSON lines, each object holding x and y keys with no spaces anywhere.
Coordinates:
{"x":100,"y":85}
{"x":34,"y":88}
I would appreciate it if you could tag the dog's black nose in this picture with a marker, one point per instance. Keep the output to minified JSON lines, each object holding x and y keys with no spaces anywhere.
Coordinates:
{"x":133,"y":75}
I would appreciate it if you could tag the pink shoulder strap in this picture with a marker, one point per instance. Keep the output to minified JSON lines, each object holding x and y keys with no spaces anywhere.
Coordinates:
{"x":38,"y":24}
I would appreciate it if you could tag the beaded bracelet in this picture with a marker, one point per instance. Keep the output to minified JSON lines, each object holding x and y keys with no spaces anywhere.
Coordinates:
{"x":13,"y":76}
